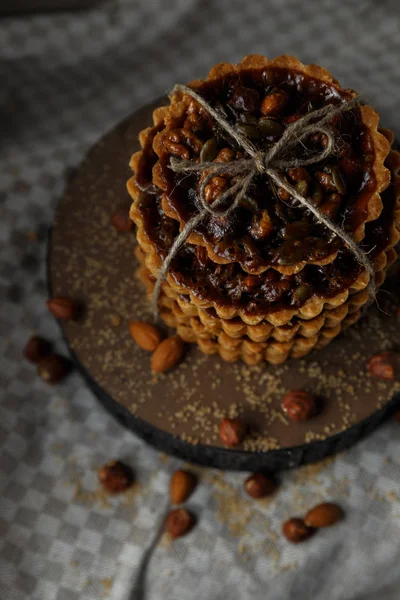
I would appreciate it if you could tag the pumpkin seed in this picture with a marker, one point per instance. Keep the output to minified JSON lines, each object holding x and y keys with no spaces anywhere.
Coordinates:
{"x":316,"y":196}
{"x":270,"y":127}
{"x":302,"y":187}
{"x":251,"y":131}
{"x":209,"y":151}
{"x":337,"y":180}
{"x":248,"y":119}
{"x":249,"y":204}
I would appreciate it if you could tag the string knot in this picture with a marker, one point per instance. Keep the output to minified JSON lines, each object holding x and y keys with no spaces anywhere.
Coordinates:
{"x":280,"y":155}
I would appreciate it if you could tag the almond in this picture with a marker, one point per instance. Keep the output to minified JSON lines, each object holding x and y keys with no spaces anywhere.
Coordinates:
{"x":145,"y":335}
{"x":181,"y":486}
{"x":324,"y":515}
{"x":168,"y":354}
{"x":63,"y":308}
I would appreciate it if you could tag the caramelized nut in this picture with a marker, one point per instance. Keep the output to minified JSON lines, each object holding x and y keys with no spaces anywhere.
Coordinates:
{"x":262,"y":225}
{"x":179,"y":522}
{"x":231,"y":432}
{"x":331,"y":206}
{"x":299,"y":405}
{"x":299,"y":173}
{"x":121,"y":220}
{"x":115,"y":477}
{"x":214,"y":189}
{"x":226,"y":155}
{"x":320,"y":138}
{"x":36,"y":348}
{"x":250,"y":282}
{"x":283,"y":194}
{"x":296,"y":531}
{"x":244,"y":98}
{"x":260,"y":485}
{"x":326,"y":180}
{"x":274,"y":103}
{"x":381,"y":366}
{"x":177,"y":149}
{"x":324,"y":515}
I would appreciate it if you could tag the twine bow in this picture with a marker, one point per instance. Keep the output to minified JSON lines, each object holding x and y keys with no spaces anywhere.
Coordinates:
{"x":280,"y":155}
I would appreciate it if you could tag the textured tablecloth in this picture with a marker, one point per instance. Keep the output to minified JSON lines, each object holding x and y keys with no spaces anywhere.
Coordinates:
{"x":66,"y":79}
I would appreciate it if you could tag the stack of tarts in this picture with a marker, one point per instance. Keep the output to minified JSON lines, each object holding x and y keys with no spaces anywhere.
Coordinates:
{"x":267,"y":282}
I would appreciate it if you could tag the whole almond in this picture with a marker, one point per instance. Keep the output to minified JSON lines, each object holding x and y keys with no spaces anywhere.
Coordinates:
{"x":167,"y":355}
{"x":63,"y":308}
{"x":324,"y":515}
{"x":179,"y":522}
{"x":145,"y":335}
{"x":181,"y":486}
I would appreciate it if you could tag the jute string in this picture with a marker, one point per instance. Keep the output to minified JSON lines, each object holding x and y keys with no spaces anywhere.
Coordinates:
{"x":280,"y":155}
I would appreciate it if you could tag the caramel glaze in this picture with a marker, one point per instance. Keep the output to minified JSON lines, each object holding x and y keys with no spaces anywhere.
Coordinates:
{"x":229,"y":284}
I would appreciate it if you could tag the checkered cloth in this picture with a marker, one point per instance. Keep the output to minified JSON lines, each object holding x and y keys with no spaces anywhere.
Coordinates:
{"x":66,"y":79}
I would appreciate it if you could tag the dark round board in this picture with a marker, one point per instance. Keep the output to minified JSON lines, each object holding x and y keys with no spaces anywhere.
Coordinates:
{"x":178,"y":412}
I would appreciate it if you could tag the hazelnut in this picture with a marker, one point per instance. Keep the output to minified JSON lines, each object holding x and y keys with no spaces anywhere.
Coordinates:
{"x":63,"y":308}
{"x":179,"y":522}
{"x":296,"y":531}
{"x":36,"y":348}
{"x":115,"y":477}
{"x":53,"y":368}
{"x":381,"y":366}
{"x":299,"y":405}
{"x":181,"y":486}
{"x":121,"y":220}
{"x":260,"y":485}
{"x":231,"y":432}
{"x":324,"y":515}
